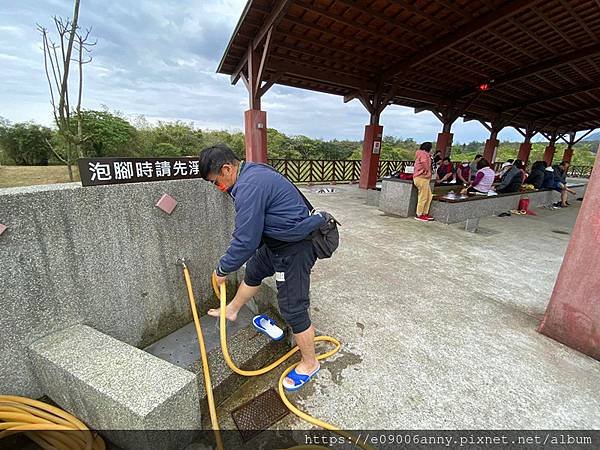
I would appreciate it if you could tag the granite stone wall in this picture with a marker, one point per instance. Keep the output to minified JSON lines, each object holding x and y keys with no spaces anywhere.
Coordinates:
{"x":103,"y":256}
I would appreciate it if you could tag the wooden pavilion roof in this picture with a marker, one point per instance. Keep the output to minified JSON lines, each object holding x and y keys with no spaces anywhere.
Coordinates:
{"x":540,"y":58}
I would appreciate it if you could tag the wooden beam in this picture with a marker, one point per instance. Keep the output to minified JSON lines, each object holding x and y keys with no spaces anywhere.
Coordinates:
{"x":352,"y":71}
{"x":315,"y":73}
{"x":326,"y":30}
{"x":357,"y":26}
{"x":384,"y":17}
{"x":519,"y":48}
{"x":277,"y":14}
{"x":553,"y":27}
{"x":270,"y":23}
{"x":450,"y":5}
{"x":418,"y":12}
{"x":582,"y":136}
{"x":558,"y":95}
{"x":325,"y":45}
{"x":483,"y":22}
{"x":326,"y":58}
{"x":263,"y":59}
{"x":558,"y":114}
{"x":578,"y":19}
{"x":269,"y":83}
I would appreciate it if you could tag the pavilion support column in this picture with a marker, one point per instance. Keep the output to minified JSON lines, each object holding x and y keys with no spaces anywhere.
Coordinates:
{"x":568,"y":154}
{"x":255,"y":124}
{"x":525,"y":147}
{"x":549,"y":153}
{"x":369,"y":166}
{"x":444,"y":140}
{"x":255,"y":120}
{"x":491,"y":147}
{"x":573,"y":316}
{"x":374,"y":103}
{"x":524,"y":151}
{"x":447,"y":116}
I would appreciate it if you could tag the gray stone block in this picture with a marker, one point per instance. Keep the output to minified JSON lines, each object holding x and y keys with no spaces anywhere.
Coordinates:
{"x":399,"y":197}
{"x":471,"y":225}
{"x":373,"y":197}
{"x":483,"y":206}
{"x":113,"y":386}
{"x":104,"y":256}
{"x":248,"y":348}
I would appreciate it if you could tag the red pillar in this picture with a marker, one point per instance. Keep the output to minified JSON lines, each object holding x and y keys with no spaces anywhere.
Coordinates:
{"x":524,"y":151}
{"x":568,"y":155}
{"x":549,"y":154}
{"x":573,"y":314}
{"x":490,"y":149}
{"x":370,"y":156}
{"x":444,"y":143}
{"x":255,"y":122}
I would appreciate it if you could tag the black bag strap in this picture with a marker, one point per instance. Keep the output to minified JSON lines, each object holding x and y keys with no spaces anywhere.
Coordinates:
{"x":310,"y":207}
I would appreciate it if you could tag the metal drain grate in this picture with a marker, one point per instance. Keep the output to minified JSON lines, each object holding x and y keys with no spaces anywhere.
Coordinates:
{"x":258,"y":414}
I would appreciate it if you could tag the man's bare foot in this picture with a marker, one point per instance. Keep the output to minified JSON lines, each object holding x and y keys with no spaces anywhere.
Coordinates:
{"x":229,"y":313}
{"x":303,"y":369}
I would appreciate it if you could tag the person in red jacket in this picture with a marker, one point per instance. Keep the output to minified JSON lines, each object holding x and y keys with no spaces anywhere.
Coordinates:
{"x":421,"y":179}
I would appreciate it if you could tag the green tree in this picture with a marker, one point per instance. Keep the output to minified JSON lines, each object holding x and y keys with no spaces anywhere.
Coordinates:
{"x":27,"y":144}
{"x":107,"y":134}
{"x":180,"y":135}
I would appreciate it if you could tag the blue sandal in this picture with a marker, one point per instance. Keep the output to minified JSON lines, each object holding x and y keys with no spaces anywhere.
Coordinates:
{"x":266,"y":325}
{"x":299,"y":379}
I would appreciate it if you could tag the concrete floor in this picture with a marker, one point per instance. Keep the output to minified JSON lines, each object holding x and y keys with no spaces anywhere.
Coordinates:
{"x":439,"y":326}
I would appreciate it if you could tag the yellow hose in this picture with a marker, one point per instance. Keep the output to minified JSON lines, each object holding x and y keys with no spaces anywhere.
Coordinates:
{"x":220,"y":292}
{"x":45,"y":425}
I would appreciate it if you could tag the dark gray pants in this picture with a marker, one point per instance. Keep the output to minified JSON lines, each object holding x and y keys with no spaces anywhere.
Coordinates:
{"x":291,"y":266}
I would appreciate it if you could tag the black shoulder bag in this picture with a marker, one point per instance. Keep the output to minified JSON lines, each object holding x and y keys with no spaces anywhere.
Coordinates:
{"x":326,"y":238}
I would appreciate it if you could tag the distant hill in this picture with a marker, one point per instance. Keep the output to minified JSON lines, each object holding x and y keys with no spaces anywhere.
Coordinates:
{"x":593,"y":137}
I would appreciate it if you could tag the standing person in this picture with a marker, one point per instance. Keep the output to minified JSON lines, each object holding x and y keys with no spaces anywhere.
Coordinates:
{"x":421,"y":179}
{"x":272,"y":222}
{"x":474,"y":165}
{"x":484,"y":179}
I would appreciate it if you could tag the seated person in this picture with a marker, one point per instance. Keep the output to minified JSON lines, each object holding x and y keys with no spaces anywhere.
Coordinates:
{"x":560,"y":183}
{"x":463,"y":173}
{"x":505,"y":168}
{"x":512,"y":180}
{"x":548,"y":182}
{"x":483,"y":181}
{"x":473,"y":165}
{"x":536,"y":177}
{"x":445,"y":173}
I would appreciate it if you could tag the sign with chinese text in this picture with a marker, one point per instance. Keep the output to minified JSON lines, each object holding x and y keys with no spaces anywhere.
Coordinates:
{"x":97,"y":171}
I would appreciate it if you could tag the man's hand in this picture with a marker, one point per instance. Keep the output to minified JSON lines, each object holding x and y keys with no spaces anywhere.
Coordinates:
{"x":219,"y":280}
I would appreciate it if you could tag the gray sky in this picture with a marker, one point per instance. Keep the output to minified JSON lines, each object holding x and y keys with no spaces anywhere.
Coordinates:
{"x":158,"y":58}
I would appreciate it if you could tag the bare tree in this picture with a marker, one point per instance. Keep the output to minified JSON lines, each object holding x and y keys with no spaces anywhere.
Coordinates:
{"x":57,"y":64}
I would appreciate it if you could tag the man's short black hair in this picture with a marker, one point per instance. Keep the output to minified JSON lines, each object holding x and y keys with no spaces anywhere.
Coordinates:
{"x":478,"y":156}
{"x":446,"y":159}
{"x":214,"y":157}
{"x":511,"y":161}
{"x":426,"y":146}
{"x":564,"y":163}
{"x":518,"y":164}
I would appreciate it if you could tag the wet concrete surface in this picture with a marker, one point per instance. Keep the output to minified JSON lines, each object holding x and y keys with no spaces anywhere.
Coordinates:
{"x":438,"y":326}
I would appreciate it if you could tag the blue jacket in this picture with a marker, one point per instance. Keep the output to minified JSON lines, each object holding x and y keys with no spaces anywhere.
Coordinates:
{"x":266,"y":203}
